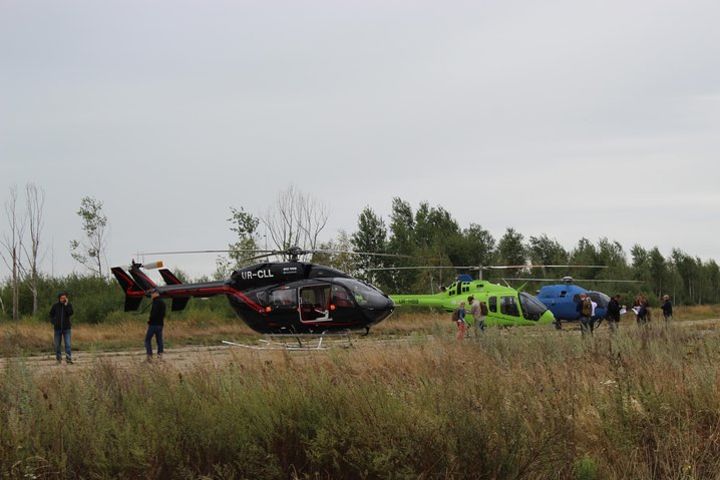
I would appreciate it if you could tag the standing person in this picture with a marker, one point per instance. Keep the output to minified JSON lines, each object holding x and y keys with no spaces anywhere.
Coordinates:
{"x":155,"y":325}
{"x":613,"y":313}
{"x":480,"y":309}
{"x":642,"y":312}
{"x":593,"y":307}
{"x":584,"y":308}
{"x":460,"y":321}
{"x":60,"y":314}
{"x":667,"y":308}
{"x":470,"y":320}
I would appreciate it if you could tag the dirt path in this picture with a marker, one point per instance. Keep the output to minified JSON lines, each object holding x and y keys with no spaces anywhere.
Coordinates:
{"x":184,"y":358}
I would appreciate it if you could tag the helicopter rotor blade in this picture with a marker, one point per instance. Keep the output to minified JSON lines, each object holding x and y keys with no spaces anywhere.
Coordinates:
{"x":439,"y":267}
{"x":513,"y":267}
{"x":193,"y":252}
{"x":560,"y":280}
{"x":353,"y":252}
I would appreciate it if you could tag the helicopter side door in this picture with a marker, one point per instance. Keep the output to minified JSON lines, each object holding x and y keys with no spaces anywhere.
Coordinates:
{"x":504,"y":309}
{"x":314,"y":303}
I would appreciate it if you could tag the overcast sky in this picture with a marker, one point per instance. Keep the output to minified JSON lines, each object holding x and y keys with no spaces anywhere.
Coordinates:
{"x":572,"y":118}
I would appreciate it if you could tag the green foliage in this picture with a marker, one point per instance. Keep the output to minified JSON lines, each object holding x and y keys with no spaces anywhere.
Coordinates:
{"x":585,"y":469}
{"x":371,"y":237}
{"x":335,"y":254}
{"x":244,"y":225}
{"x":94,"y":299}
{"x":511,"y":249}
{"x":430,"y":236}
{"x":90,"y":252}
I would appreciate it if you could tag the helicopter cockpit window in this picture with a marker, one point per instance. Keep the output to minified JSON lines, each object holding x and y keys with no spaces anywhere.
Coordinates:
{"x":365,"y":295}
{"x":492,"y":304}
{"x":340,"y":297}
{"x":531,"y":306}
{"x":563,"y":293}
{"x":600,"y":298}
{"x":283,"y":298}
{"x":508,"y":306}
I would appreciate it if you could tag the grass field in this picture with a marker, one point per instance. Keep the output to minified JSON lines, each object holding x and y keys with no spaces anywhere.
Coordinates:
{"x":514,"y":403}
{"x":31,"y":337}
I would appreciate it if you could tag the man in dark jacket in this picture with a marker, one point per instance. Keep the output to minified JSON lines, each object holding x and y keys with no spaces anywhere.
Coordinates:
{"x":667,"y":307}
{"x":60,"y":314}
{"x":613,"y":312}
{"x":155,"y":325}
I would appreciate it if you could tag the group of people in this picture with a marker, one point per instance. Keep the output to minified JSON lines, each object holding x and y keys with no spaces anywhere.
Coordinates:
{"x":586,"y":308}
{"x":476,"y":318}
{"x":62,"y":311}
{"x":641,"y":307}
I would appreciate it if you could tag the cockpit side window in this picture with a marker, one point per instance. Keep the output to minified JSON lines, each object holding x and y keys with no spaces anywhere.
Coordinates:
{"x":283,"y":298}
{"x":492,"y":304}
{"x":508,"y":306}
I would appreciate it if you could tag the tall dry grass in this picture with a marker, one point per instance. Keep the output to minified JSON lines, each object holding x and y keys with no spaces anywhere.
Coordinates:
{"x":31,"y":337}
{"x":517,"y":403}
{"x":126,"y":331}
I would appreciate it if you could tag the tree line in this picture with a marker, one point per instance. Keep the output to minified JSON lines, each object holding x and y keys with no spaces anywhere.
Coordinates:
{"x":430,"y":236}
{"x":422,"y":236}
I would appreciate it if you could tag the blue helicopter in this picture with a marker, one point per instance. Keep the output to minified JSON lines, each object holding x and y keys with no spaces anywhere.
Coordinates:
{"x":562,"y":298}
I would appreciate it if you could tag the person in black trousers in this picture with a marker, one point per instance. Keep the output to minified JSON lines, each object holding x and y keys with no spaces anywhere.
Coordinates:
{"x":613,"y":313}
{"x":155,"y":325}
{"x":667,"y":308}
{"x":60,"y":314}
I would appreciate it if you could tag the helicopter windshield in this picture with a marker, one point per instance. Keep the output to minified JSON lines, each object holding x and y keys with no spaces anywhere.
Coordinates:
{"x":365,"y":295}
{"x":532,"y":307}
{"x":600,"y":298}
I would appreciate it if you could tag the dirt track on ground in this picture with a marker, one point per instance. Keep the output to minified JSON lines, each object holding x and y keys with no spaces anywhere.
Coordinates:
{"x":272,"y":349}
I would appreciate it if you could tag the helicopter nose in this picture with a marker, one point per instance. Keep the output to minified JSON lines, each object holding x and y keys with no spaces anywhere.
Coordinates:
{"x":547,"y":317}
{"x":380,"y":311}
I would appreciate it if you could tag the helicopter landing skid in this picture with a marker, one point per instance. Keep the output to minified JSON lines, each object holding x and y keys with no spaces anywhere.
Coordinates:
{"x":300,"y":342}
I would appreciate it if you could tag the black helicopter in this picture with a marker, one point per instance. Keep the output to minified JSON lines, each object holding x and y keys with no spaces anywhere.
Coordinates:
{"x":273,"y":297}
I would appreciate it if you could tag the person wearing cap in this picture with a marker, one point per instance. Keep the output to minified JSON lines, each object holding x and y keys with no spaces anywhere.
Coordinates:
{"x":60,"y":314}
{"x":155,"y":325}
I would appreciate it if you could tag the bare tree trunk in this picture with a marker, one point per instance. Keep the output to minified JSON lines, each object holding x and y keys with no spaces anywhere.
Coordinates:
{"x":12,"y":243}
{"x":15,"y":285}
{"x":34,"y":206}
{"x":296,"y":219}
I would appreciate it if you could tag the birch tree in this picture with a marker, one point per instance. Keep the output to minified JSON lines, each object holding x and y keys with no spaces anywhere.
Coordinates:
{"x":92,"y":251}
{"x":12,"y":247}
{"x":34,"y":209}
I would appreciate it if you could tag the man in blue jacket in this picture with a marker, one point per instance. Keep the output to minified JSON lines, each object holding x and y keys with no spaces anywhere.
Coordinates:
{"x":60,"y":314}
